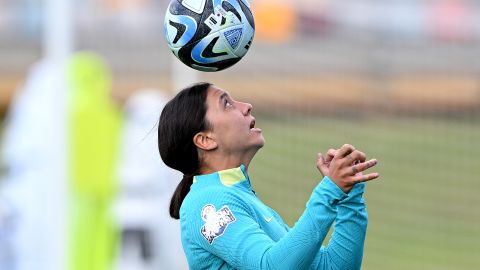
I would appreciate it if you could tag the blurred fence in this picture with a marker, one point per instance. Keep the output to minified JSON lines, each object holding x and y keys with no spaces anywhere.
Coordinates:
{"x":370,"y":49}
{"x":399,"y":79}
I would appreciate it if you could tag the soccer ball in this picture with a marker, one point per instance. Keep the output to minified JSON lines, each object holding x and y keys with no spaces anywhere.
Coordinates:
{"x":209,"y":35}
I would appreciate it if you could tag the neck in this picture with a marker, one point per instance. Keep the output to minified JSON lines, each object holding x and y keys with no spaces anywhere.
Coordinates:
{"x":214,"y":163}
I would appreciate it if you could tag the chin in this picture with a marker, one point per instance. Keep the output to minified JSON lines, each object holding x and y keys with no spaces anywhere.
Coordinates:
{"x":261,"y":143}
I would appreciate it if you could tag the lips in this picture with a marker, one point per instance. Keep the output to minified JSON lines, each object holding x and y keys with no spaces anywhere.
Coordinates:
{"x":252,"y":126}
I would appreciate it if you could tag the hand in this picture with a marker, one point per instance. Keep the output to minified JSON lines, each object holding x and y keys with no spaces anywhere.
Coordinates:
{"x":323,"y":162}
{"x":345,"y":166}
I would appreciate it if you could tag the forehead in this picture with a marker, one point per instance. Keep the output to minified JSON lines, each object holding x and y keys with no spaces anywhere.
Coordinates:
{"x":215,"y":96}
{"x":216,"y":92}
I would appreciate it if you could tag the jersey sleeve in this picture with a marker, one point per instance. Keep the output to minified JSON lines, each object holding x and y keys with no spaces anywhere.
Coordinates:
{"x":345,"y":248}
{"x":225,"y":226}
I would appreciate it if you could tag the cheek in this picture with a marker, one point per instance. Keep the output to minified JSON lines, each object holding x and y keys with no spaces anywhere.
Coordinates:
{"x":223,"y":130}
{"x":235,"y":134}
{"x":231,"y":134}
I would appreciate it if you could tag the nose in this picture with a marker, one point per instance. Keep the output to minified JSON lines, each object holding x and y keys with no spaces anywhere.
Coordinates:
{"x":247,"y":109}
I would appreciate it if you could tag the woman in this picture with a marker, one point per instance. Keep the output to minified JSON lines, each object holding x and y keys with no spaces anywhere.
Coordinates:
{"x":212,"y":139}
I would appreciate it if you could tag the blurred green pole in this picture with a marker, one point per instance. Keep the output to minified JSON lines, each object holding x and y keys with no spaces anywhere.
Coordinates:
{"x":94,"y":129}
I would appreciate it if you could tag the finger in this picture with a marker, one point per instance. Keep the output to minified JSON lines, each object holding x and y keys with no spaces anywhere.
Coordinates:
{"x":322,"y":165}
{"x":320,"y":157}
{"x":344,"y":151}
{"x":364,"y":178}
{"x":365,"y":165}
{"x":330,"y":154}
{"x":356,"y":156}
{"x":354,"y":170}
{"x":321,"y":160}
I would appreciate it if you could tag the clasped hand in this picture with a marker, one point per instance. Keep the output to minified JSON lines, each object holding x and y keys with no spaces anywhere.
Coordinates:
{"x":345,"y":166}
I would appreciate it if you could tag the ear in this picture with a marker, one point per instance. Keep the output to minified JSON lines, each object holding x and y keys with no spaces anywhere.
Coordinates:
{"x":205,"y":141}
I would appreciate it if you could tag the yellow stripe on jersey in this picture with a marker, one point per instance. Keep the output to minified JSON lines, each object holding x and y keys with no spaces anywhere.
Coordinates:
{"x":231,"y":177}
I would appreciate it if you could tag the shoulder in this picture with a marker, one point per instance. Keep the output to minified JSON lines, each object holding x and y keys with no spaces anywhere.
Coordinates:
{"x":218,"y":196}
{"x":205,"y":214}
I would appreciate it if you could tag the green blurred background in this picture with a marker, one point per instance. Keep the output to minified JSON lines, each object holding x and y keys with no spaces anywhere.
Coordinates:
{"x":399,"y":80}
{"x":422,"y":209}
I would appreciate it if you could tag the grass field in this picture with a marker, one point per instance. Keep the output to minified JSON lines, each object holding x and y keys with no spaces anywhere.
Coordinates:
{"x":424,"y":211}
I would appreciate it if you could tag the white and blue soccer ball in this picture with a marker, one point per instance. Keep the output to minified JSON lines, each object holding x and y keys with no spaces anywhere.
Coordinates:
{"x":209,"y":35}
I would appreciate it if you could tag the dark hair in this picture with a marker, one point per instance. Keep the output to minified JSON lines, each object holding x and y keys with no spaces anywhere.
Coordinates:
{"x":182,"y":118}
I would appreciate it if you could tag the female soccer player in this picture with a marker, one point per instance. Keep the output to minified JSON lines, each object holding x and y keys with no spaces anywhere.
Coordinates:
{"x":211,"y":139}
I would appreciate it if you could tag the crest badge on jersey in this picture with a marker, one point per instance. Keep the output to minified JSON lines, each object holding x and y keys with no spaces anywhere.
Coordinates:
{"x":216,"y":222}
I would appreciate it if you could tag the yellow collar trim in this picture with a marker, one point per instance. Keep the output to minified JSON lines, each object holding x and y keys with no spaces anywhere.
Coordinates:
{"x":231,"y":177}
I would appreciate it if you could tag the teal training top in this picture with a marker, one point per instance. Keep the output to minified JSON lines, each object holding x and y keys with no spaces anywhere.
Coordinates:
{"x":224,"y":225}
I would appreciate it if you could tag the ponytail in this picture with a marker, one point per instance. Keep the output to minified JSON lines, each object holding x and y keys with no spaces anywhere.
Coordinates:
{"x":182,"y":118}
{"x":179,"y":195}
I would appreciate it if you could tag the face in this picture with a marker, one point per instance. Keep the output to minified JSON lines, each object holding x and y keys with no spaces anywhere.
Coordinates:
{"x":233,"y":126}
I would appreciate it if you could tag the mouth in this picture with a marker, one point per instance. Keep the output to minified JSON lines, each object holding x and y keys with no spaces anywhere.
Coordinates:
{"x":253,"y":128}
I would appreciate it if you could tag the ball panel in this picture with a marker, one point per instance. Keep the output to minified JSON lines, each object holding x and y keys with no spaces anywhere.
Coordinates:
{"x":228,"y":7}
{"x":221,"y":18}
{"x":176,"y":8}
{"x":180,"y":30}
{"x":194,"y":5}
{"x":245,"y":41}
{"x":211,"y":49}
{"x":203,"y":68}
{"x":233,"y":37}
{"x":218,"y":66}
{"x":247,"y":12}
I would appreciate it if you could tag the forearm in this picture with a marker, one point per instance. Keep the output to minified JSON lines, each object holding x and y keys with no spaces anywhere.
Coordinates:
{"x":299,"y":247}
{"x":345,"y":249}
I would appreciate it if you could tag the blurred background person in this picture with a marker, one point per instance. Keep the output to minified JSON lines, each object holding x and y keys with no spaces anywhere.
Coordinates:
{"x":94,"y":126}
{"x":150,"y":238}
{"x":29,"y":148}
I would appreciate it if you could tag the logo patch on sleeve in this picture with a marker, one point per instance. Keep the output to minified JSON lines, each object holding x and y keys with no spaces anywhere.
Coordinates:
{"x":216,"y":222}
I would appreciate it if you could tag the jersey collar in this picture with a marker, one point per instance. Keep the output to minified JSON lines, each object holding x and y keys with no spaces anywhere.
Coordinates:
{"x":230,"y":177}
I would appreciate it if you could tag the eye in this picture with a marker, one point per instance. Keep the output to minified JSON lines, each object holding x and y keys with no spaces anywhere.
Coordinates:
{"x":227,"y":103}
